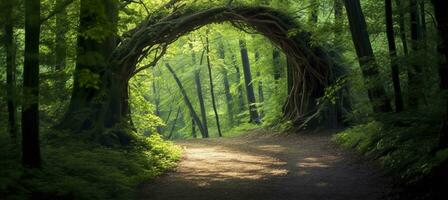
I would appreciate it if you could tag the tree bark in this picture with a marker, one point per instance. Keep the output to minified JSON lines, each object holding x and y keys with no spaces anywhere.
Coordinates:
{"x":212,"y":87}
{"x":174,"y":124}
{"x":338,"y":7}
{"x":402,"y":27}
{"x":393,"y":56}
{"x":260,"y":85}
{"x":10,"y":47}
{"x":60,"y":39}
{"x":30,"y":108}
{"x":197,"y":80}
{"x":376,"y":92}
{"x":187,"y":101}
{"x":240,"y":87}
{"x":94,"y":111}
{"x":156,"y":103}
{"x":254,"y":117}
{"x":442,"y":26}
{"x":415,"y":94}
{"x":229,"y":100}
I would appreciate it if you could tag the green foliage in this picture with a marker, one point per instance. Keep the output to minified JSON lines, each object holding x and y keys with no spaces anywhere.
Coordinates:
{"x":402,"y":143}
{"x":82,"y":170}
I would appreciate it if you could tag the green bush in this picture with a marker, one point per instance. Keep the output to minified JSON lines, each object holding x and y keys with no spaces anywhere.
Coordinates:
{"x":404,"y":144}
{"x":81,"y":170}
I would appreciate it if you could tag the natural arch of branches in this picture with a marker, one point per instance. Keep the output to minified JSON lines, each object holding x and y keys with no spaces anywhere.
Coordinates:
{"x":309,"y":65}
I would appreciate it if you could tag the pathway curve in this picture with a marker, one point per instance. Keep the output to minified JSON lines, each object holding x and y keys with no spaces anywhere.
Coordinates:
{"x":263,"y":166}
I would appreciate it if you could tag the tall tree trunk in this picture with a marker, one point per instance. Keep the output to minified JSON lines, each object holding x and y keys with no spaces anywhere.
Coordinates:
{"x":197,"y":80}
{"x":277,"y":65}
{"x":193,"y":129}
{"x":212,"y":88}
{"x":254,"y":117}
{"x":10,"y":46}
{"x":393,"y":56}
{"x":260,"y":84}
{"x":88,"y":108}
{"x":60,"y":39}
{"x":369,"y":67}
{"x":240,"y":87}
{"x":157,"y":103}
{"x":224,"y":73}
{"x":187,"y":101}
{"x":415,"y":92}
{"x":442,"y":25}
{"x":174,"y":124}
{"x":338,"y":7}
{"x":402,"y":27}
{"x":30,"y":108}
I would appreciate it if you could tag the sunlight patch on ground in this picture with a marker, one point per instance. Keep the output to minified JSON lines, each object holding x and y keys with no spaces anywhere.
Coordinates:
{"x":204,"y":165}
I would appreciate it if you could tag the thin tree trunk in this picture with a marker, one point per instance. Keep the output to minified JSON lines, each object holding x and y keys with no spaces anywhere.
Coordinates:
{"x":254,"y":117}
{"x":197,"y":80}
{"x":240,"y":87}
{"x":60,"y":39}
{"x":187,"y":101}
{"x":402,"y":27}
{"x":224,"y":73}
{"x":277,"y":65}
{"x":393,"y":56}
{"x":193,"y":129}
{"x":260,"y":84}
{"x":376,"y":92}
{"x":415,"y":93}
{"x":212,"y":88}
{"x":338,"y":7}
{"x":30,"y":108}
{"x":174,"y":124}
{"x":156,"y":103}
{"x":10,"y":46}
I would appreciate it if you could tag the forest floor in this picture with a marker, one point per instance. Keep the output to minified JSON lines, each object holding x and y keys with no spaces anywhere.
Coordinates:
{"x":262,"y":166}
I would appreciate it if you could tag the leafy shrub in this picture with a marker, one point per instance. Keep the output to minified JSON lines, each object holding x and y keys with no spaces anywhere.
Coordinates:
{"x":403,"y":143}
{"x":76,"y":169}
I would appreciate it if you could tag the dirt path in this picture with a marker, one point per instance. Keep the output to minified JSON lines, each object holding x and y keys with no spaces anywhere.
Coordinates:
{"x":261,"y":166}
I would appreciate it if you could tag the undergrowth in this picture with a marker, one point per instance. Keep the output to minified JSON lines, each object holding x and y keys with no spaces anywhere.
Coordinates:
{"x":404,"y":143}
{"x":78,"y":169}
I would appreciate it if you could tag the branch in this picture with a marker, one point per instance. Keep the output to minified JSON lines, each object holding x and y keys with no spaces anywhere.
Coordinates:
{"x":57,"y":10}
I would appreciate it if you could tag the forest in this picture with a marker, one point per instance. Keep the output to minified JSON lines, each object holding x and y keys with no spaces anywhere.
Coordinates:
{"x":224,"y":99}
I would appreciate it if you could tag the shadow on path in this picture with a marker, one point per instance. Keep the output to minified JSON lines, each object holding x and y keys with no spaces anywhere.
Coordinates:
{"x":263,"y":166}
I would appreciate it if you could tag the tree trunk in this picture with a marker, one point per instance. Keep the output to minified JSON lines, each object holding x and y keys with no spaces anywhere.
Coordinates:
{"x":225,"y":76}
{"x":376,"y":92}
{"x":60,"y":39}
{"x":393,"y":56}
{"x":197,"y":80}
{"x":156,"y":103}
{"x":10,"y":47}
{"x":88,"y":108}
{"x":212,"y":88}
{"x":187,"y":101}
{"x":193,"y":129}
{"x":254,"y":117}
{"x":174,"y":124}
{"x":277,"y":65}
{"x":415,"y":83}
{"x":402,"y":27}
{"x":30,"y":108}
{"x":260,"y":84}
{"x":240,"y":87}
{"x":442,"y":25}
{"x":338,"y":7}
